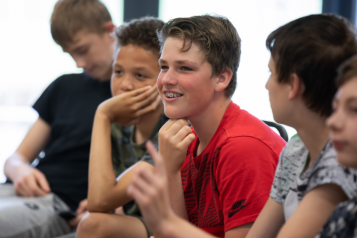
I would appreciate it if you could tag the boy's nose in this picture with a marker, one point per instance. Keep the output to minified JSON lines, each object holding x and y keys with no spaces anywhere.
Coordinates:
{"x":169,"y":79}
{"x":80,"y":63}
{"x":335,"y":121}
{"x":126,"y":85}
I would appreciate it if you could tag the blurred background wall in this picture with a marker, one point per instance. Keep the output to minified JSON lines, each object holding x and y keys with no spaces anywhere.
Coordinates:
{"x":30,"y":60}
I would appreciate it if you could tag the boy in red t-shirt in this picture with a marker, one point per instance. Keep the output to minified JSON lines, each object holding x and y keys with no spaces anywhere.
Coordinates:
{"x":226,"y":162}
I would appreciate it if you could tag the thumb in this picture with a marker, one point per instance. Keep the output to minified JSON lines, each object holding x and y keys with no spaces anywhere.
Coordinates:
{"x":42,"y":181}
{"x":82,"y":206}
{"x":158,"y":161}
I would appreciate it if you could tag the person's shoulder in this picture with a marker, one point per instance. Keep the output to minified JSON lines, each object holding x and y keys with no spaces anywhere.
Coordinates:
{"x":327,"y":170}
{"x":240,"y":123}
{"x":294,"y":154}
{"x":70,"y":77}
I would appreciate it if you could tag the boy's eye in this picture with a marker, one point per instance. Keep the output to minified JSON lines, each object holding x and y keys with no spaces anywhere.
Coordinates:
{"x":185,"y":68}
{"x":118,"y":72}
{"x":163,"y":67}
{"x":82,"y":51}
{"x":353,"y":110}
{"x":140,"y":76}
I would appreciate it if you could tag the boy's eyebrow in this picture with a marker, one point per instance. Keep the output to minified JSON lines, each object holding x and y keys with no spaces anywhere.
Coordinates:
{"x":351,"y":99}
{"x":79,"y":47}
{"x":185,"y":62}
{"x":136,"y":68}
{"x":162,"y":61}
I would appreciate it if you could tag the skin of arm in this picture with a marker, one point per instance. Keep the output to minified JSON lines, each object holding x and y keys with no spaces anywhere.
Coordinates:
{"x":265,"y":226}
{"x":150,"y":190}
{"x":105,"y":193}
{"x":29,"y":181}
{"x":174,"y":138}
{"x":313,"y":211}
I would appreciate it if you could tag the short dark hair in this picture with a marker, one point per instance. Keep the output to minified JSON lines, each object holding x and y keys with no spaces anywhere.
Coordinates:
{"x":347,"y":71}
{"x":140,"y":32}
{"x":313,"y":47}
{"x":71,"y":16}
{"x":217,"y":38}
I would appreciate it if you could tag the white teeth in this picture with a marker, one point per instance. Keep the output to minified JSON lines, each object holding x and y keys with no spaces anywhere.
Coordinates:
{"x":173,"y":95}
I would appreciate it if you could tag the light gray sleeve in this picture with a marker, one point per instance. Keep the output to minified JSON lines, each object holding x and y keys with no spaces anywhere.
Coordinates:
{"x":276,"y":191}
{"x":330,"y":172}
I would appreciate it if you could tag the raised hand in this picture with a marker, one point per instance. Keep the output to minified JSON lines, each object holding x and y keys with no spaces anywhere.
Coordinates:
{"x":151,"y":193}
{"x":174,"y":139}
{"x":128,"y":107}
{"x":30,"y":182}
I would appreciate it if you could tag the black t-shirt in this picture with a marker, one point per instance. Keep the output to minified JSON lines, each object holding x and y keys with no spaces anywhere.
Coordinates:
{"x":68,"y":105}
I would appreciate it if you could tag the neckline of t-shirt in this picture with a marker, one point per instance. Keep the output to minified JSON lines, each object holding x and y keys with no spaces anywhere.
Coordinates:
{"x":221,"y":125}
{"x":309,"y":170}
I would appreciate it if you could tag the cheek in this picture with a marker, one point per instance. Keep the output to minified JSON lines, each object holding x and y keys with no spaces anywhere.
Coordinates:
{"x":115,"y":86}
{"x":352,"y":134}
{"x":159,"y":82}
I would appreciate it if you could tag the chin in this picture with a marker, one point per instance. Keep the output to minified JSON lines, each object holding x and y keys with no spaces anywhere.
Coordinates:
{"x":173,"y":113}
{"x":346,"y":160}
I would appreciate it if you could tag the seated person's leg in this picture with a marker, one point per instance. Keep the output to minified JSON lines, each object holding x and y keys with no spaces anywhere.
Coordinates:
{"x":111,"y":225}
{"x":28,"y":216}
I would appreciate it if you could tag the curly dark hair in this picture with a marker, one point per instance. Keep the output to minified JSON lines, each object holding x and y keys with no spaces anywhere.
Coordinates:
{"x":216,"y":36}
{"x":140,"y":32}
{"x":313,"y":47}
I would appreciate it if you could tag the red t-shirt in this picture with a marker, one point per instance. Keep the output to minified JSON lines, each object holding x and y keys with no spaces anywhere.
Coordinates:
{"x":228,"y":184}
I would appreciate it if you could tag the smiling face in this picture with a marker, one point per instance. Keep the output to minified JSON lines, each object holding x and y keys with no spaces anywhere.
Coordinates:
{"x":93,"y":53}
{"x":343,"y":123}
{"x":185,"y":83}
{"x":134,"y":67}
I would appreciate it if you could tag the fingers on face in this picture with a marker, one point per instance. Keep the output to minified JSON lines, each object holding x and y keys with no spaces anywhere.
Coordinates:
{"x":149,"y":103}
{"x":172,"y":127}
{"x":181,"y":139}
{"x":139,"y":91}
{"x":146,"y":93}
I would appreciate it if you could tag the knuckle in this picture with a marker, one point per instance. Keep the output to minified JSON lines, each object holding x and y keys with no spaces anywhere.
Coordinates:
{"x":160,"y":186}
{"x":135,"y":107}
{"x":183,"y":122}
{"x":17,"y":187}
{"x":145,"y":202}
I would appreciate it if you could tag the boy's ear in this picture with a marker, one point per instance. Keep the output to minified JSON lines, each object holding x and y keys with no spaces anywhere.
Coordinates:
{"x":223,"y":80}
{"x":297,"y":87}
{"x":109,"y":27}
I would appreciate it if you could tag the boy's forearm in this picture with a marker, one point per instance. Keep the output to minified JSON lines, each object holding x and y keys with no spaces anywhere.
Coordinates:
{"x":102,"y":178}
{"x":176,"y":195}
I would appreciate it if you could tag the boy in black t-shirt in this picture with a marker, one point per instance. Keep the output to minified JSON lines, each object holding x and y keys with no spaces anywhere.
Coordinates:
{"x":63,"y":130}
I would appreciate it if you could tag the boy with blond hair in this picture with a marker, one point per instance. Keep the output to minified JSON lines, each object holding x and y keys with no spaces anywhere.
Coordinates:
{"x":309,"y":182}
{"x":220,"y":170}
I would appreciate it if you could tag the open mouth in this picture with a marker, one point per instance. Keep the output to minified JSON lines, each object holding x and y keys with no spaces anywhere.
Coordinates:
{"x":173,"y":95}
